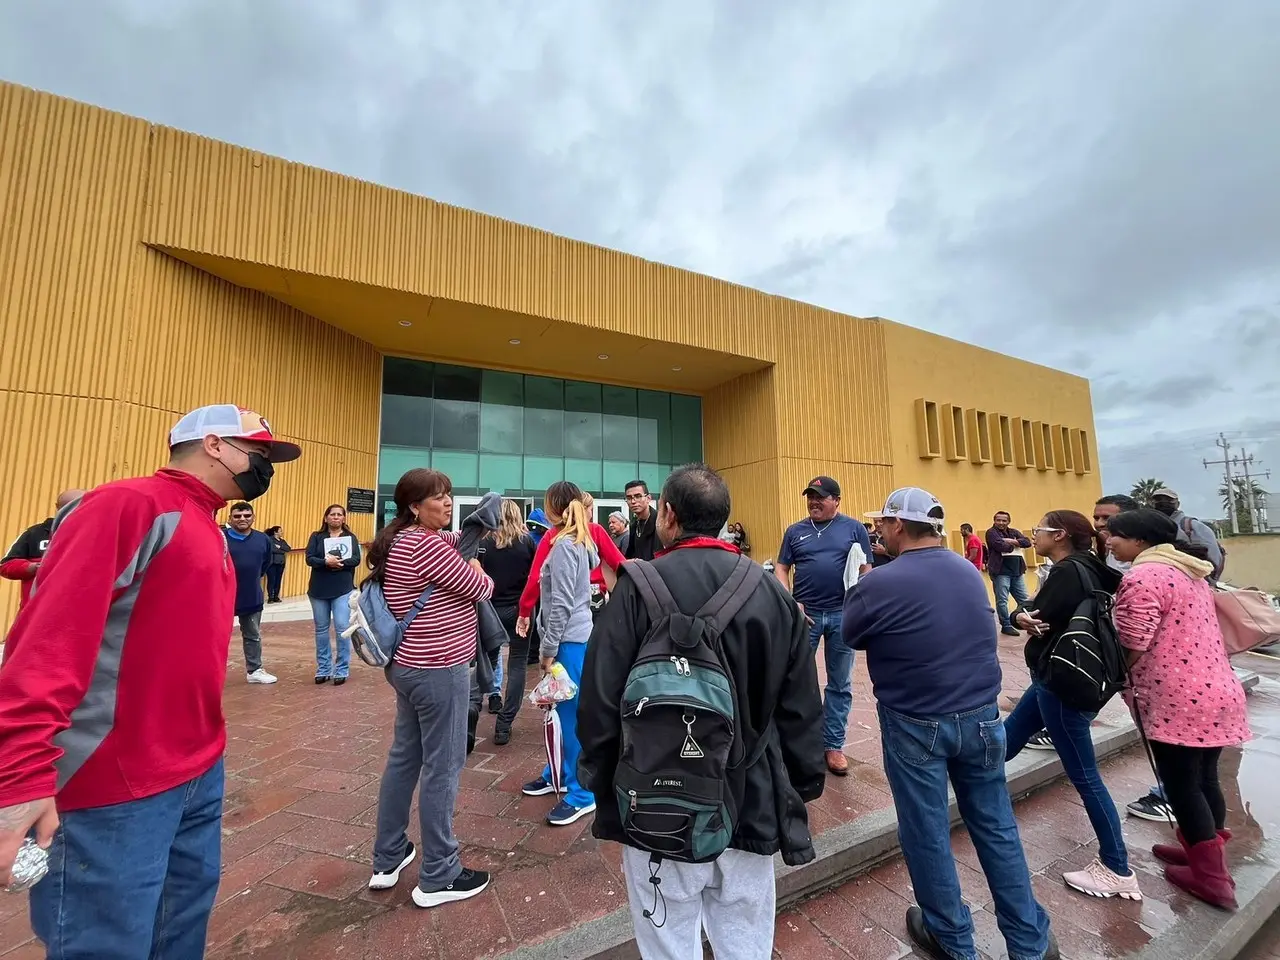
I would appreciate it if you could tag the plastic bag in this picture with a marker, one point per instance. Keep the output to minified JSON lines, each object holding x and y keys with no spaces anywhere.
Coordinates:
{"x":555,"y":687}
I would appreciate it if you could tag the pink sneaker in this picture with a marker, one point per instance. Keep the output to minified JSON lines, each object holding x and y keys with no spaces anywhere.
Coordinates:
{"x":1099,"y":880}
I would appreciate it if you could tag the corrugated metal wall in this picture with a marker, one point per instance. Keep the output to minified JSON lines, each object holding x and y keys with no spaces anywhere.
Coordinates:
{"x":105,"y":342}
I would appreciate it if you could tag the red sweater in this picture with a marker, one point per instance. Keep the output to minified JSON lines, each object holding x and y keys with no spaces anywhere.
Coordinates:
{"x":610,"y":556}
{"x":111,"y":687}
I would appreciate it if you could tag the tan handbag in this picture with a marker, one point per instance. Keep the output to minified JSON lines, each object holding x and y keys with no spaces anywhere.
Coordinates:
{"x":1248,"y":619}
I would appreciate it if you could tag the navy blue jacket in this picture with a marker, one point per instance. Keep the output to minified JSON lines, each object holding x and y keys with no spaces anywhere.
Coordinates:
{"x":250,"y":557}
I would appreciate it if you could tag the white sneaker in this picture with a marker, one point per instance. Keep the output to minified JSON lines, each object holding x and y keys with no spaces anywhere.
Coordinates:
{"x":1099,"y":880}
{"x":389,"y":878}
{"x":261,"y":676}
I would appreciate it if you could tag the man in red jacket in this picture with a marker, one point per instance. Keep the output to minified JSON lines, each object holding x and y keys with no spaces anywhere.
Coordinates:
{"x":24,"y":556}
{"x":111,"y":699}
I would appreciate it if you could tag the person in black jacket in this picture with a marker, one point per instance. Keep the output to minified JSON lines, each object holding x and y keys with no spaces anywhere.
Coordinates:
{"x":22,"y":559}
{"x":766,"y":648}
{"x":1069,"y":540}
{"x":333,"y":554}
{"x":642,"y":538}
{"x":279,"y":553}
{"x":507,"y":556}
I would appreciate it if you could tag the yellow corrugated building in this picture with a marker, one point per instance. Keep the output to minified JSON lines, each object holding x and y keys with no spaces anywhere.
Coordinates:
{"x":145,"y":271}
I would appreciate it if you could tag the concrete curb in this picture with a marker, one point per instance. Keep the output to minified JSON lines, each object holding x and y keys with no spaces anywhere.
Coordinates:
{"x":843,"y":852}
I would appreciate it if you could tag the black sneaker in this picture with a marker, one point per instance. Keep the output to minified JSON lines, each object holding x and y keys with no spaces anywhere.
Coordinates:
{"x":386,"y":879}
{"x":1040,"y":741}
{"x":501,"y":736}
{"x":495,"y":704}
{"x":1151,"y":808}
{"x":926,"y":943}
{"x":1011,"y":631}
{"x":469,"y":884}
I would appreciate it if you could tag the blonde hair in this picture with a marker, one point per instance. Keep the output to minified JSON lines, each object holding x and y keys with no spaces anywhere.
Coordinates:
{"x":512,"y":528}
{"x":566,"y":510}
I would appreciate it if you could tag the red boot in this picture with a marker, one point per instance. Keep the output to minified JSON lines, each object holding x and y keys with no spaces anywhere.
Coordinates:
{"x":1177,"y":855}
{"x":1206,"y":875}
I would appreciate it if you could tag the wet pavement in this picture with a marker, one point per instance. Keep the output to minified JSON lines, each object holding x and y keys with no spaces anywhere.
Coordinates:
{"x":303,"y":766}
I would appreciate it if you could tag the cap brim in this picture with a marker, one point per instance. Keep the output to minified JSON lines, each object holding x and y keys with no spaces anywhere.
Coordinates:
{"x":875,"y":515}
{"x":817,"y":491}
{"x":284,"y":452}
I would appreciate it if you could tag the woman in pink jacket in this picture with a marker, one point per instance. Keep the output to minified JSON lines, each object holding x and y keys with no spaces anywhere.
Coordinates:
{"x":1184,"y":690}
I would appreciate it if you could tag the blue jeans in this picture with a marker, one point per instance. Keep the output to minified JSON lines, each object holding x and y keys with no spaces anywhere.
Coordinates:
{"x":1069,"y":730}
{"x":135,"y":879}
{"x":837,"y":699}
{"x":337,"y":610}
{"x":571,"y":655}
{"x":1004,"y":585}
{"x":920,"y":755}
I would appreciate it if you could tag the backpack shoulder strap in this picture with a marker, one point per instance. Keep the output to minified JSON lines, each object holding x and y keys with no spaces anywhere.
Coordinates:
{"x":725,"y":603}
{"x":418,"y":604}
{"x":1188,"y":526}
{"x":653,"y":589}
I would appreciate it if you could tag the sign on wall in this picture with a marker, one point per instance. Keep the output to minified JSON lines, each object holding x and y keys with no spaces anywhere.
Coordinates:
{"x":359,"y":500}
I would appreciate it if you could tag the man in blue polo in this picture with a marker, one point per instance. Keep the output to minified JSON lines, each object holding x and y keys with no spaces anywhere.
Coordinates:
{"x":821,"y":557}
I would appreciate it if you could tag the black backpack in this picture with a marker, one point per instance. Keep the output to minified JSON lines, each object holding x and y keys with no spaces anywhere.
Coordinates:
{"x":1085,"y":666}
{"x":680,"y":735}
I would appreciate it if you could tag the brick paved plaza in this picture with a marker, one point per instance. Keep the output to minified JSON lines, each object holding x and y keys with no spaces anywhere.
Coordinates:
{"x":303,"y":766}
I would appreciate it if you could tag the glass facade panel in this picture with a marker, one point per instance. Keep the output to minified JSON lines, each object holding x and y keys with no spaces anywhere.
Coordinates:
{"x":540,"y":473}
{"x":463,"y":469}
{"x":502,"y":473}
{"x":394,"y":462}
{"x":617,"y":474}
{"x":585,"y":473}
{"x":518,"y":434}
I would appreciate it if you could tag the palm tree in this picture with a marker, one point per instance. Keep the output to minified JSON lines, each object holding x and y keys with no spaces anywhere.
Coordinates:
{"x":1144,"y":489}
{"x":1243,"y":503}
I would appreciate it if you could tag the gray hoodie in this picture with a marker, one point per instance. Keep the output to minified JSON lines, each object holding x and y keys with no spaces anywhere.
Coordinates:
{"x":565,"y":583}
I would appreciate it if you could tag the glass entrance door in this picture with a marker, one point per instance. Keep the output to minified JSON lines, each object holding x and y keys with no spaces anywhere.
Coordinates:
{"x":463,"y":507}
{"x":606,"y":507}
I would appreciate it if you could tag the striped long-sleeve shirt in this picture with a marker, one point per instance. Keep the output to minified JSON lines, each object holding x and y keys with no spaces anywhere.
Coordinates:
{"x":444,"y":634}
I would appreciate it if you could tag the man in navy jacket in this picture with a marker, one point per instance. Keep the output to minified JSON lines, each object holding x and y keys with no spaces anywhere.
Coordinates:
{"x":250,"y":552}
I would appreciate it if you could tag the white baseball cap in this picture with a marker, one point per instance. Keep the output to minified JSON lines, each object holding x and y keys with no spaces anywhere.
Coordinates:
{"x":911,"y":503}
{"x":230,"y":422}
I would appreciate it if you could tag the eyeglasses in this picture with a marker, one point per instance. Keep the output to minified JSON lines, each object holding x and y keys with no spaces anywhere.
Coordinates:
{"x":1035,"y":530}
{"x":636,"y":496}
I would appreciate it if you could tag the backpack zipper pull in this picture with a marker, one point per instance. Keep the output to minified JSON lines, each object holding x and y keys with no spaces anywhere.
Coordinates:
{"x":675,"y":661}
{"x":640,"y":705}
{"x":688,"y":671}
{"x":632,"y":793}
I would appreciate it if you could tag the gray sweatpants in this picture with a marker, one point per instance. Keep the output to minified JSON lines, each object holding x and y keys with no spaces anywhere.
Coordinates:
{"x":428,"y":751}
{"x":733,"y":898}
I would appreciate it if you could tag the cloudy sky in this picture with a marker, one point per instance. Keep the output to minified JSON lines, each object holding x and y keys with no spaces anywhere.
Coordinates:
{"x":1090,"y":185}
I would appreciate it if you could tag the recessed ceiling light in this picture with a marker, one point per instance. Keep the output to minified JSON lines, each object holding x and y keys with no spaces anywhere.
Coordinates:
{"x":602,"y":356}
{"x":406,"y":323}
{"x":677,"y":369}
{"x":514,"y":342}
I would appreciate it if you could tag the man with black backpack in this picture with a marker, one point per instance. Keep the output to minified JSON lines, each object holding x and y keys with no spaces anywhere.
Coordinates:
{"x":700,"y":723}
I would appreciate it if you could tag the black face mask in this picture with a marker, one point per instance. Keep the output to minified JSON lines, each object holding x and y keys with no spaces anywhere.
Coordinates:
{"x":1168,"y":508}
{"x":253,"y":482}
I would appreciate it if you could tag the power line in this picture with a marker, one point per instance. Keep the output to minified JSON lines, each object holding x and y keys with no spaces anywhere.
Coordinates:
{"x":1225,"y":463}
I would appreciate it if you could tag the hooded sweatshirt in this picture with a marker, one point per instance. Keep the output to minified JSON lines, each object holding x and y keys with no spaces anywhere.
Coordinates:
{"x":1061,"y":594}
{"x":566,"y":594}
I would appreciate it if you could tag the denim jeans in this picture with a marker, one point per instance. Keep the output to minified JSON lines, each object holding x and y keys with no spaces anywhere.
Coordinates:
{"x":251,"y":640}
{"x":135,"y":879}
{"x":838,"y":696}
{"x":920,"y":755}
{"x":1070,"y":731}
{"x":337,"y":610}
{"x":1004,"y":585}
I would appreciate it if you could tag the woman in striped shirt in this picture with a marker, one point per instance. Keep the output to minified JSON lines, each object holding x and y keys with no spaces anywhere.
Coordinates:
{"x":431,"y":675}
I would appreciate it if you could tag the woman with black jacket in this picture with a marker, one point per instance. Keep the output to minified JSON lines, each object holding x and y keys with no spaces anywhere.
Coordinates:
{"x":1068,"y":539}
{"x":275,"y":572}
{"x":333,"y":554}
{"x":507,"y":556}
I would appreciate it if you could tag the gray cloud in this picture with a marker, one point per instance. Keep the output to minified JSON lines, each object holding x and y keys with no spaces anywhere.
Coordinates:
{"x":1085,"y":184}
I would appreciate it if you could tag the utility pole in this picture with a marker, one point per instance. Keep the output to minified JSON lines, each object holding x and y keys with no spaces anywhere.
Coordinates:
{"x":1225,"y":463}
{"x":1255,"y":510}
